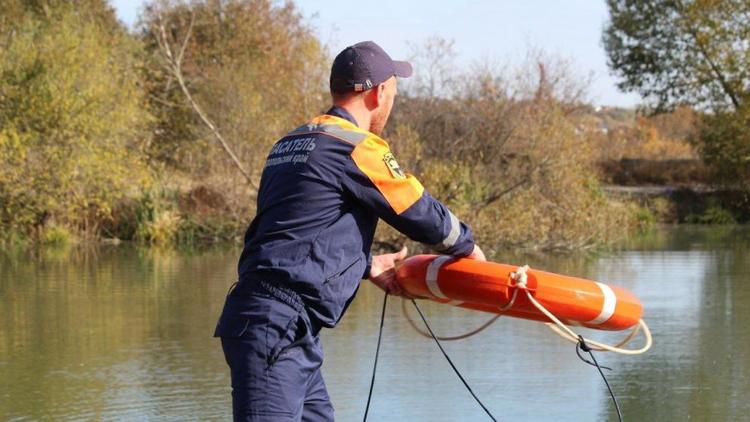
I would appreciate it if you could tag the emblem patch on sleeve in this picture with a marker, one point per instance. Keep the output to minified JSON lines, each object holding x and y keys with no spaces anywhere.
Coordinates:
{"x":390,"y":162}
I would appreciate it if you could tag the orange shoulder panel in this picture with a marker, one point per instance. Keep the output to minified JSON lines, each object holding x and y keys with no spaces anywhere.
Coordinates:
{"x":373,"y":157}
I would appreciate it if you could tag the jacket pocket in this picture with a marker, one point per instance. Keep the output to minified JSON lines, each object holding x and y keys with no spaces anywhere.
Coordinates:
{"x":284,"y":333}
{"x":342,"y":272}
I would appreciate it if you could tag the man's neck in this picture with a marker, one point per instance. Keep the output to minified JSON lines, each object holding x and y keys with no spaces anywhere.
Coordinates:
{"x":361,"y":115}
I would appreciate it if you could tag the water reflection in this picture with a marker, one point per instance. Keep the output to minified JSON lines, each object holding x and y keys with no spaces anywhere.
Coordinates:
{"x":111,"y":333}
{"x":698,"y":294}
{"x":124,"y":333}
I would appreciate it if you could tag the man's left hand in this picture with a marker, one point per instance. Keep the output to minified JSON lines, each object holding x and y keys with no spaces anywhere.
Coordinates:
{"x":383,"y":272}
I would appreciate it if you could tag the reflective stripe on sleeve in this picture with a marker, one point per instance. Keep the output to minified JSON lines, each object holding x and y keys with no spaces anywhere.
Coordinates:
{"x":453,"y":234}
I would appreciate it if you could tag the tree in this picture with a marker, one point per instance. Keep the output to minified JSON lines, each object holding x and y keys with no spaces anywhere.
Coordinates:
{"x":72,"y":115}
{"x":724,"y":143}
{"x":94,"y":11}
{"x":252,"y":67}
{"x":681,"y":52}
{"x":696,"y":53}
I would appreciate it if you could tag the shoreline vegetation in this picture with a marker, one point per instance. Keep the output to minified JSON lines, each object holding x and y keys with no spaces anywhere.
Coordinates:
{"x":158,"y":135}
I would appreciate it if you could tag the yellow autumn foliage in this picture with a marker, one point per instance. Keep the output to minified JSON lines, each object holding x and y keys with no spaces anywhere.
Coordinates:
{"x":72,"y":118}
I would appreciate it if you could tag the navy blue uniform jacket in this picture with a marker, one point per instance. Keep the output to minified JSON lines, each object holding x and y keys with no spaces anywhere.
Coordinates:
{"x":322,"y":191}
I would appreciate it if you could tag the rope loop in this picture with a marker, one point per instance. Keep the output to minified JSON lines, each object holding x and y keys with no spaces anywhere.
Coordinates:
{"x":565,"y":332}
{"x":520,"y":277}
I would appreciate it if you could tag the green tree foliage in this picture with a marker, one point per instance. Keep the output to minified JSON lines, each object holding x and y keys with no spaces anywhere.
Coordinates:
{"x":71,"y":116}
{"x":693,"y":52}
{"x":97,"y":11}
{"x":725,"y":144}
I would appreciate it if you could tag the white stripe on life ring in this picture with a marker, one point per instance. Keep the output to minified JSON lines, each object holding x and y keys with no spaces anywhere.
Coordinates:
{"x":431,"y":278}
{"x":608,"y":308}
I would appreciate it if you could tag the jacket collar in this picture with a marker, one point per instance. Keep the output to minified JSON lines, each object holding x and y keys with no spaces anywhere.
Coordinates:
{"x":342,"y":113}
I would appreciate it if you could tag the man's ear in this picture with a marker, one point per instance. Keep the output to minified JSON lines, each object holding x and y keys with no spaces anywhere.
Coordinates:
{"x":375,"y":96}
{"x":380,"y":94}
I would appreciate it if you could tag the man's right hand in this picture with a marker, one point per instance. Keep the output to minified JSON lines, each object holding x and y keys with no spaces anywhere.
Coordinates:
{"x":477,"y":254}
{"x":383,"y":272}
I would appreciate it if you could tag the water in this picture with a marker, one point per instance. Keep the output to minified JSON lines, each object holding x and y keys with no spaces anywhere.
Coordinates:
{"x":122,"y":333}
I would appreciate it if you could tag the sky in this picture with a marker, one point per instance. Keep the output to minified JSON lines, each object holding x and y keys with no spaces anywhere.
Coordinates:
{"x":501,"y":31}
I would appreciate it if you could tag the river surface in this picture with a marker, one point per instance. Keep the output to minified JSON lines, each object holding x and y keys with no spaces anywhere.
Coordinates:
{"x":124,"y":333}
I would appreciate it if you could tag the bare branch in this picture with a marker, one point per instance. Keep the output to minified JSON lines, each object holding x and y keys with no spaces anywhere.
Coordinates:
{"x":187,"y":38}
{"x":175,"y":68}
{"x":498,"y":195}
{"x":491,"y":199}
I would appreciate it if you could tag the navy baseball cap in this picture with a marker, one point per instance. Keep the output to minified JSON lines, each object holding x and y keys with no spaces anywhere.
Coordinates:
{"x":362,"y":66}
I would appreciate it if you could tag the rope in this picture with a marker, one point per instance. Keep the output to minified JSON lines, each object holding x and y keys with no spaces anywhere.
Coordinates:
{"x":622,"y":342}
{"x":377,"y":353}
{"x":520,"y":276}
{"x":446,"y":338}
{"x":465,"y":335}
{"x":568,"y":334}
{"x":440,"y":346}
{"x":585,"y":347}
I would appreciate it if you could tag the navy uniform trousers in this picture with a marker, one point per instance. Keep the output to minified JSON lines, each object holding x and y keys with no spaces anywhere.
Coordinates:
{"x":274,"y":354}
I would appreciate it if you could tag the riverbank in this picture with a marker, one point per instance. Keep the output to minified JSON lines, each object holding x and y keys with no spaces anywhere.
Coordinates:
{"x":198,"y":218}
{"x":687,"y":205}
{"x":101,"y":143}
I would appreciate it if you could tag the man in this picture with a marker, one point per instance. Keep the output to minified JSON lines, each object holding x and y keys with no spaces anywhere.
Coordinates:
{"x":323,"y":189}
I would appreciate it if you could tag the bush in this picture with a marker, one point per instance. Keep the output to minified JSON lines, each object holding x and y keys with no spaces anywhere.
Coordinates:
{"x":156,"y":217}
{"x":55,"y":235}
{"x":724,"y":144}
{"x":72,"y":118}
{"x":502,"y":149}
{"x":713,"y":214}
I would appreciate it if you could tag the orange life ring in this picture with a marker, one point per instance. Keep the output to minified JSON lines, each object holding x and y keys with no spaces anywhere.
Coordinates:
{"x":489,"y":287}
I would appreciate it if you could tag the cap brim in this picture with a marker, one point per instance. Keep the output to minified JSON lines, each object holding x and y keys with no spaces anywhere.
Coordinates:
{"x":403,"y":69}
